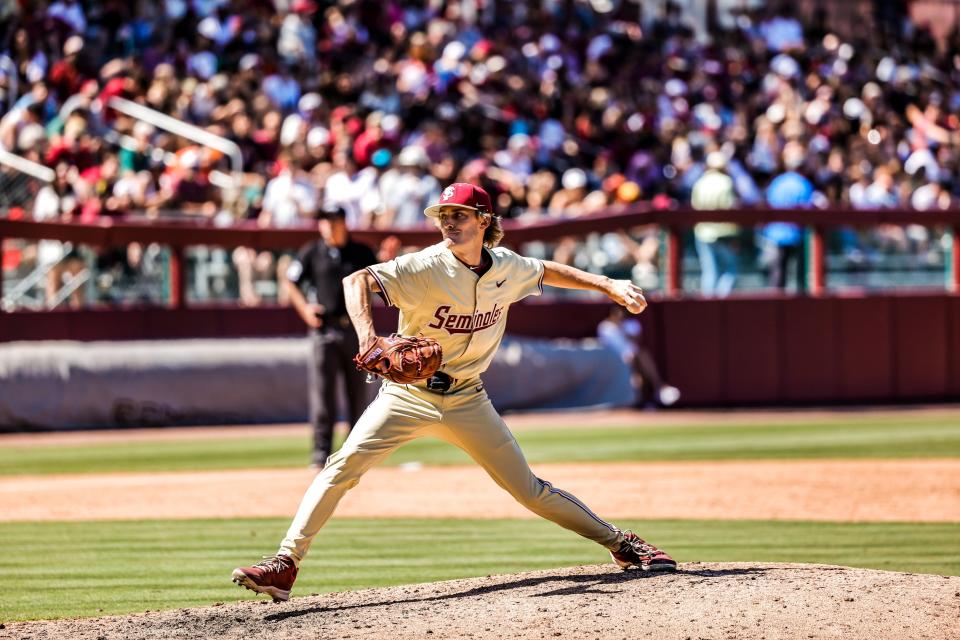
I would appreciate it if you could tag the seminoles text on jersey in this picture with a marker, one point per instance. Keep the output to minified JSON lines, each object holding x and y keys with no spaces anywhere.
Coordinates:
{"x":464,"y":322}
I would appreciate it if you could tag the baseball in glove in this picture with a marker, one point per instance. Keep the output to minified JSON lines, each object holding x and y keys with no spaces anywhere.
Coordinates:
{"x":401,"y":359}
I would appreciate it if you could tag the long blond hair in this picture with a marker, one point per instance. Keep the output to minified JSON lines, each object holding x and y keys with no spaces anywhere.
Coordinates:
{"x":493,"y":234}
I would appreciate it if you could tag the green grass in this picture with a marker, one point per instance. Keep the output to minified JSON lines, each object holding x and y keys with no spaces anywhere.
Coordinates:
{"x":843,"y":437}
{"x":97,"y":568}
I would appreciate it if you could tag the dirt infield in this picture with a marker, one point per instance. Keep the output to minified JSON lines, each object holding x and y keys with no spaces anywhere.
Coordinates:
{"x":741,"y":601}
{"x":860,"y":490}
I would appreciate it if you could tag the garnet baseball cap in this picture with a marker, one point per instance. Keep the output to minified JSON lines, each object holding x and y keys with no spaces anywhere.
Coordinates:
{"x":461,"y":194}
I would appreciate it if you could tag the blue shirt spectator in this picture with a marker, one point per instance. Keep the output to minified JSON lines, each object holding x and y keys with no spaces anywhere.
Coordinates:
{"x":788,"y":190}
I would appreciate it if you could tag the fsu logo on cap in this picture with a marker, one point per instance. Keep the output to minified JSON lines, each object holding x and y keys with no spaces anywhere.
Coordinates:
{"x":461,"y":194}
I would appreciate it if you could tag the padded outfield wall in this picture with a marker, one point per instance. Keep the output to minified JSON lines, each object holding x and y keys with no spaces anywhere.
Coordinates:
{"x":734,"y":352}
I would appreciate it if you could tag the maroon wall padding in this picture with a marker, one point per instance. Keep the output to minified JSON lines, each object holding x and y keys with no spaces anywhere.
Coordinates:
{"x":866,"y":354}
{"x":189,"y":323}
{"x":693,"y":335}
{"x":810,"y":365}
{"x":556,"y":320}
{"x":112,"y":324}
{"x":750,"y":361}
{"x":653,"y":335}
{"x":27,"y":325}
{"x":953,"y":346}
{"x":737,"y":351}
{"x":920,"y":340}
{"x":148,"y":323}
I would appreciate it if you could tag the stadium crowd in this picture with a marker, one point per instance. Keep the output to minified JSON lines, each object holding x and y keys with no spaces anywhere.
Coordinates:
{"x":555,"y":108}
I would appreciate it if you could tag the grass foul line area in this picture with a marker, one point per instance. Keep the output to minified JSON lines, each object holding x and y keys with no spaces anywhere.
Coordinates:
{"x":97,"y":568}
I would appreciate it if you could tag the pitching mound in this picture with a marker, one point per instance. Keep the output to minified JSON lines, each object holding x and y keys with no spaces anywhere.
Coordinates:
{"x":719,"y":601}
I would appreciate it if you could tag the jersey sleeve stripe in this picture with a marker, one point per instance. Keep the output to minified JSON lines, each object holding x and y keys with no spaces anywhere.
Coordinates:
{"x":383,"y":290}
{"x":540,"y":280}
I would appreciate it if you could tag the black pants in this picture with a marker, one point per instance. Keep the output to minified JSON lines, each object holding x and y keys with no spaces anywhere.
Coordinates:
{"x":783,"y":257}
{"x":332,"y":356}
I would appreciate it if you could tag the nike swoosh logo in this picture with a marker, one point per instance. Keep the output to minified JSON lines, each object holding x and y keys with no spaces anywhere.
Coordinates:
{"x":500,"y":284}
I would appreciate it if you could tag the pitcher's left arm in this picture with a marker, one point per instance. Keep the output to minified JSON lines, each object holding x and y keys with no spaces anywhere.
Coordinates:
{"x":623,"y":292}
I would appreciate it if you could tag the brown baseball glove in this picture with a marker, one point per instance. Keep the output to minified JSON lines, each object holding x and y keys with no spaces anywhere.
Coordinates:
{"x":401,"y":359}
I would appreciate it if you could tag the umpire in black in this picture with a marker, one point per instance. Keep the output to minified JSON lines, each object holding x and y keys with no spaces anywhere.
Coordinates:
{"x":316,"y":291}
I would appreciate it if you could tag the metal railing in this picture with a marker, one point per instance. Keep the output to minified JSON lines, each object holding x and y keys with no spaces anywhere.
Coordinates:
{"x":20,"y":180}
{"x":230,"y":184}
{"x":178,"y":235}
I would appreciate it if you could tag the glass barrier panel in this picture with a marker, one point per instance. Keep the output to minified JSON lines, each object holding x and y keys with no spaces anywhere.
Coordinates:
{"x":886,"y":258}
{"x":46,"y":274}
{"x":243,"y":275}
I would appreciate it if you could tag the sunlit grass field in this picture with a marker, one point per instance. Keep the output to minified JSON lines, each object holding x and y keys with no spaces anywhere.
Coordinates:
{"x":849,"y":436}
{"x":67,"y":569}
{"x":99,"y":568}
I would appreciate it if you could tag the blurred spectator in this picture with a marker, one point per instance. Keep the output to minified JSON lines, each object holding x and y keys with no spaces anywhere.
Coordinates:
{"x":297,"y":42}
{"x":57,"y":201}
{"x":68,"y":13}
{"x":573,"y":189}
{"x":290,"y":199}
{"x":782,"y":31}
{"x":352,"y":189}
{"x":406,"y":190}
{"x":547,"y":105}
{"x":783,"y":241}
{"x":716,"y":241}
{"x":932,"y":195}
{"x":624,"y":336}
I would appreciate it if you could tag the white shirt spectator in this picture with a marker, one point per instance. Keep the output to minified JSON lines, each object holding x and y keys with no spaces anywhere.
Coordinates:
{"x":929,"y":196}
{"x":219,"y":32}
{"x":357,"y":194}
{"x":297,"y":41}
{"x":48,"y":205}
{"x":204,"y":8}
{"x":288,"y":199}
{"x":713,"y":191}
{"x":203,"y":64}
{"x":175,"y":9}
{"x":408,"y":193}
{"x":858,"y":196}
{"x":922,"y":159}
{"x":130,"y":185}
{"x":70,"y":13}
{"x":878,"y":196}
{"x":781,"y":33}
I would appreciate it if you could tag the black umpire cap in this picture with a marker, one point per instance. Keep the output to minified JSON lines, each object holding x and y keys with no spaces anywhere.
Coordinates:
{"x":331,"y":213}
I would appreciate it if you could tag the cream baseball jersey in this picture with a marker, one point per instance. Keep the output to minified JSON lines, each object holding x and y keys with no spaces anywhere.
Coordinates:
{"x":440,"y":297}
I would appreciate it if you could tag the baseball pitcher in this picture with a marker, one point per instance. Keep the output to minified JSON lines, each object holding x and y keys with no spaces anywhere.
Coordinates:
{"x":455,"y":296}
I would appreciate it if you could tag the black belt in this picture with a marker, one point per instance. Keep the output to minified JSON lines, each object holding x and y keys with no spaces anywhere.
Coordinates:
{"x":440,"y":382}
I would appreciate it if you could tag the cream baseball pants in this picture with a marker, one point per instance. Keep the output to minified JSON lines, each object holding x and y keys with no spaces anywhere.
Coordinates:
{"x":463,"y":416}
